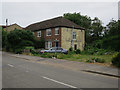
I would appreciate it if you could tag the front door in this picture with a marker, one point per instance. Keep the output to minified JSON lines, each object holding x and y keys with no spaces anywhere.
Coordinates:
{"x":75,"y":47}
{"x":56,"y":44}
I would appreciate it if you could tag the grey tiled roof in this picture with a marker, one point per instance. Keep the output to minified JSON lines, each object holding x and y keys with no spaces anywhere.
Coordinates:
{"x":55,"y":22}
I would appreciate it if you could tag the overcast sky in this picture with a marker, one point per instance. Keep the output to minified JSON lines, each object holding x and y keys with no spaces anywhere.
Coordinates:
{"x":26,"y":13}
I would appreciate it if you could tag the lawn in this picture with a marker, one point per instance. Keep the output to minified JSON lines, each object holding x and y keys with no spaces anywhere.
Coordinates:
{"x":84,"y":58}
{"x":76,"y":57}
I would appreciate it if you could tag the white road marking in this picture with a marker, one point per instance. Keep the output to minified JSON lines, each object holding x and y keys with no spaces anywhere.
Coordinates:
{"x":10,"y":65}
{"x":59,"y":82}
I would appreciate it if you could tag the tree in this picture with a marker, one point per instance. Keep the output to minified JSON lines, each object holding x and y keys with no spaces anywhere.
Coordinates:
{"x":113,"y":28}
{"x":83,"y":21}
{"x":18,"y":39}
{"x":4,"y":38}
{"x":111,"y":39}
{"x":96,"y":29}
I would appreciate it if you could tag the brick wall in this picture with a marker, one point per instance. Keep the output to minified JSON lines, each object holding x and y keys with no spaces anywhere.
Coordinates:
{"x":50,"y":38}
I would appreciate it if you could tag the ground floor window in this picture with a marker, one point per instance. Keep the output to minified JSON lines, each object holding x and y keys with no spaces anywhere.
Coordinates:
{"x":48,"y":44}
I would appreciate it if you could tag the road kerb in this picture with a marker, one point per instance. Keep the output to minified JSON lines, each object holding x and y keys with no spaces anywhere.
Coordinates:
{"x":102,"y":73}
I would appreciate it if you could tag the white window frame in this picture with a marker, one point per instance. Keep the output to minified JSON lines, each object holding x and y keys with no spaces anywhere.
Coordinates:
{"x":38,"y":33}
{"x":47,"y":32}
{"x":74,"y":35}
{"x":56,"y":31}
{"x":48,"y":44}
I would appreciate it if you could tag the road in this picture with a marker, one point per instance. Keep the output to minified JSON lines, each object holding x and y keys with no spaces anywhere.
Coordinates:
{"x":21,"y":73}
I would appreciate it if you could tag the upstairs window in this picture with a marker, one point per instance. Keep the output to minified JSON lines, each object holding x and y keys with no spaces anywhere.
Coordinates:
{"x":39,"y":34}
{"x":48,"y":32}
{"x":56,"y":31}
{"x":74,"y":35}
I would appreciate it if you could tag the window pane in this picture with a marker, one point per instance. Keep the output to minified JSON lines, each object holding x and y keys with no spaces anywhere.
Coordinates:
{"x":39,"y":34}
{"x":74,"y":35}
{"x":56,"y":31}
{"x":48,"y":32}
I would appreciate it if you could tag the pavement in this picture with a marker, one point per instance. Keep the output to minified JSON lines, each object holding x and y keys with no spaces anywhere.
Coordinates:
{"x":22,"y":71}
{"x":73,"y":65}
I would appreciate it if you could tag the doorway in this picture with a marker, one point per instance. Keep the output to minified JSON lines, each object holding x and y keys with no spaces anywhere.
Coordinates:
{"x":56,"y":44}
{"x":75,"y":47}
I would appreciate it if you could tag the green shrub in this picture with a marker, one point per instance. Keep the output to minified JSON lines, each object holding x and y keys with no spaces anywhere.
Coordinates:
{"x":116,"y":59}
{"x":47,"y":55}
{"x":33,"y":51}
{"x":71,"y":49}
{"x":18,"y":39}
{"x":60,"y":56}
{"x":18,"y":51}
{"x":100,"y":60}
{"x":78,"y":51}
{"x":30,"y":47}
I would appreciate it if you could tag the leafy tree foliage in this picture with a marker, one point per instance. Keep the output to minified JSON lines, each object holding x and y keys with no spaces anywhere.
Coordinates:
{"x":4,"y":38}
{"x":20,"y":39}
{"x":83,"y":21}
{"x":111,"y":38}
{"x":113,"y":28}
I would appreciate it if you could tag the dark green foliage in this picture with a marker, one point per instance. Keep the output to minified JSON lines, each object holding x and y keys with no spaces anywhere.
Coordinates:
{"x":4,"y":38}
{"x":32,"y":48}
{"x":18,"y":51}
{"x":113,"y":28}
{"x":83,"y":21}
{"x":71,"y":49}
{"x":109,"y":43}
{"x":33,"y":51}
{"x":78,"y":51}
{"x":116,"y":60}
{"x":90,"y":50}
{"x":99,"y":60}
{"x":18,"y":39}
{"x":39,"y":43}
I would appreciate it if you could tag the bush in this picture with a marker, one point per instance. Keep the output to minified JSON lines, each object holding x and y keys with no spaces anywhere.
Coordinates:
{"x":4,"y":38}
{"x":18,"y":39}
{"x":30,"y":47}
{"x":71,"y":49}
{"x":116,"y":59}
{"x":60,"y":56}
{"x":39,"y":43}
{"x":33,"y":51}
{"x":78,"y":51}
{"x":100,"y":60}
{"x":47,"y":55}
{"x":18,"y":51}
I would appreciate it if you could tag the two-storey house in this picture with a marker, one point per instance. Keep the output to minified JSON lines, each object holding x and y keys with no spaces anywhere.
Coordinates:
{"x":59,"y":32}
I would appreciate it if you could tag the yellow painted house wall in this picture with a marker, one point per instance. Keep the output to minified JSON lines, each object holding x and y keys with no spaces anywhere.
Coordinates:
{"x":12,"y":27}
{"x":66,"y":38}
